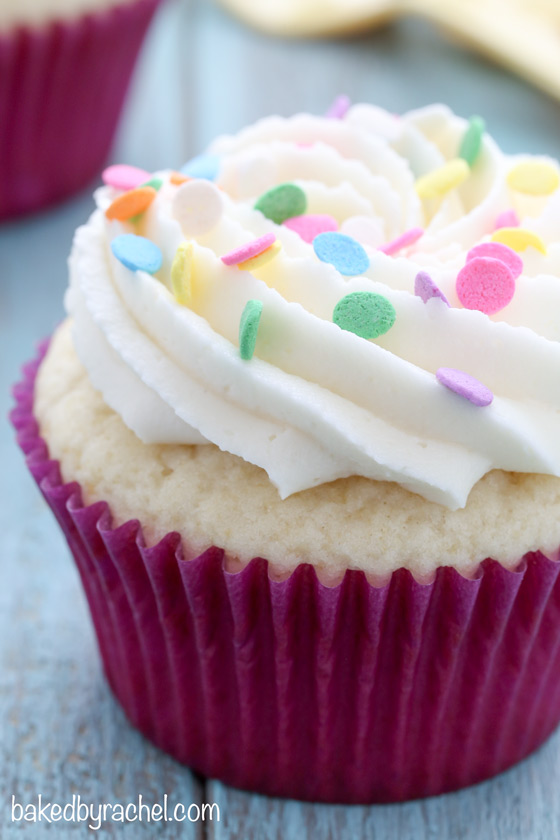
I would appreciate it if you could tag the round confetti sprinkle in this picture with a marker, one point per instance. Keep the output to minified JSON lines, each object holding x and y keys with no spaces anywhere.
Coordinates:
{"x":498,"y":251}
{"x":519,"y":239}
{"x":485,"y":284}
{"x":202,"y":166}
{"x":471,"y":143}
{"x":534,"y":177}
{"x":282,"y":202}
{"x":507,"y":218}
{"x":409,"y":237}
{"x":176,"y":178}
{"x":130,"y":203}
{"x":249,"y":327}
{"x":426,"y":289}
{"x":155,"y":183}
{"x":340,"y":250}
{"x":439,"y":182}
{"x":182,"y":273}
{"x":465,"y":385}
{"x":197,"y":206}
{"x":261,"y":259}
{"x":137,"y":253}
{"x":121,"y":176}
{"x":339,"y":108}
{"x":364,"y":313}
{"x":249,"y":250}
{"x":310,"y":226}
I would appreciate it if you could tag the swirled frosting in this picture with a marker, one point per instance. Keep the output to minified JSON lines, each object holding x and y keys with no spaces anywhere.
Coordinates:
{"x":316,"y":402}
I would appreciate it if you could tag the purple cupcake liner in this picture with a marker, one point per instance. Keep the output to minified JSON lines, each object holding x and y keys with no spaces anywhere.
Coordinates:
{"x":62,"y":86}
{"x":354,"y":693}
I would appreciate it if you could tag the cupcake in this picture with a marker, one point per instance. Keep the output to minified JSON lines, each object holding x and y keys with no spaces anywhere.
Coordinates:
{"x":300,"y":430}
{"x":65,"y":66}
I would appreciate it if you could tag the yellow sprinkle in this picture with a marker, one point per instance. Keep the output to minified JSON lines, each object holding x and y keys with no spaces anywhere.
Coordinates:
{"x":518,"y":239}
{"x":435,"y":184}
{"x":534,"y":177}
{"x":181,"y":273}
{"x":261,"y":259}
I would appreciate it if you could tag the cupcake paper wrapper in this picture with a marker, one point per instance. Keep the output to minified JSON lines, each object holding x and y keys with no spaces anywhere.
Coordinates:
{"x":352,"y":693}
{"x":62,"y":86}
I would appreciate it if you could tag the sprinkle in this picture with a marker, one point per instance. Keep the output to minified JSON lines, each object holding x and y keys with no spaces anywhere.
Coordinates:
{"x":182,"y":272}
{"x":340,"y":250}
{"x":465,"y":385}
{"x":124,"y":177}
{"x":176,"y":178}
{"x":534,"y":177}
{"x":339,"y":108}
{"x":249,"y":327}
{"x":365,"y":314}
{"x":197,"y":206}
{"x":519,"y":239}
{"x":444,"y":179}
{"x":498,"y":251}
{"x":485,"y":284}
{"x":308,"y":227}
{"x":130,"y":203}
{"x":282,"y":202}
{"x":472,"y":140}
{"x":261,"y":259}
{"x":202,"y":166}
{"x":155,"y":183}
{"x":137,"y":253}
{"x":507,"y":218}
{"x":409,"y":237}
{"x":249,"y":250}
{"x":426,"y":289}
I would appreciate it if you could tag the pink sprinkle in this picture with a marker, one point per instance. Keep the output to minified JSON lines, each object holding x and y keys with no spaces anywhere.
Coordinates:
{"x":250,"y":249}
{"x":310,"y":226}
{"x":339,"y":108}
{"x":485,"y":284}
{"x":409,"y":237}
{"x":124,"y":177}
{"x":465,"y":385}
{"x":305,"y":145}
{"x":508,"y":218}
{"x":426,"y":289}
{"x":497,"y":251}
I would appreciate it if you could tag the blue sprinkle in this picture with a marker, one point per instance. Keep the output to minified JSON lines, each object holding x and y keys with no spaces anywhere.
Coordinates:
{"x":137,"y":253}
{"x":347,"y":255}
{"x":202,"y":166}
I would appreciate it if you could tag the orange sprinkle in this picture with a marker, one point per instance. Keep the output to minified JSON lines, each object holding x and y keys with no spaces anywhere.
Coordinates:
{"x":178,"y":178}
{"x":131,"y":203}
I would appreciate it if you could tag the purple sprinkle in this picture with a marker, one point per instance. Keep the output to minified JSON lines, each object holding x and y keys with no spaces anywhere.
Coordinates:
{"x":425,"y":288}
{"x":466,"y":386}
{"x":339,"y":108}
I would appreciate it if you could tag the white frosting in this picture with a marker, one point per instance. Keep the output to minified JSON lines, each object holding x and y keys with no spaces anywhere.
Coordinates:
{"x":316,"y":402}
{"x":36,"y":12}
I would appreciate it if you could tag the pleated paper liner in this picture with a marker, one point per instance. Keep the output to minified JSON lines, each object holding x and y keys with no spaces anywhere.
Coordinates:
{"x":352,"y":693}
{"x":62,"y":86}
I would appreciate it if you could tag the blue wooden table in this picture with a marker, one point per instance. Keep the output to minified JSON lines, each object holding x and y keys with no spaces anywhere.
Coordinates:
{"x":61,"y":732}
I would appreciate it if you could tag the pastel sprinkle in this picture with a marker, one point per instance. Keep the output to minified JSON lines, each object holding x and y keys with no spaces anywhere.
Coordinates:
{"x":154,"y":182}
{"x":177,"y":178}
{"x":485,"y":284}
{"x":130,"y":203}
{"x":464,"y":385}
{"x":439,"y":182}
{"x":261,"y":259}
{"x":507,"y":218}
{"x":121,"y":176}
{"x":249,"y":250}
{"x":425,"y":288}
{"x":409,"y":237}
{"x":498,"y":251}
{"x":519,"y":239}
{"x":310,"y":226}
{"x":340,"y":250}
{"x":282,"y":202}
{"x":339,"y":108}
{"x":534,"y":177}
{"x":137,"y":253}
{"x":202,"y":166}
{"x":182,"y":273}
{"x":366,"y":314}
{"x":198,"y":206}
{"x":471,"y":143}
{"x":249,"y":327}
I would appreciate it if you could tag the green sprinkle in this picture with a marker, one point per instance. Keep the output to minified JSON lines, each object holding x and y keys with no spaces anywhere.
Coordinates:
{"x":472,"y":140}
{"x":154,"y":183}
{"x":282,"y":202}
{"x":249,"y":327}
{"x":365,"y":314}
